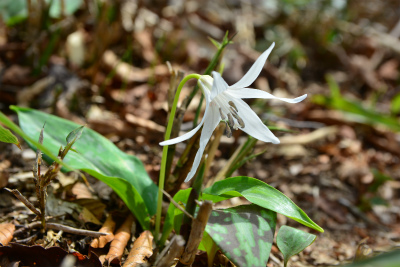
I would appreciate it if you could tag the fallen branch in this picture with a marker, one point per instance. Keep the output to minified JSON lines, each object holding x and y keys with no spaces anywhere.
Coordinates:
{"x":175,"y":251}
{"x":60,"y":227}
{"x":23,"y":199}
{"x":198,"y":227}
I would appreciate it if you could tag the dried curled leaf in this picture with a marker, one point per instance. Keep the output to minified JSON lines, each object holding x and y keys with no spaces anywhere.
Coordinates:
{"x":6,"y":233}
{"x":120,"y":241}
{"x":142,"y":248}
{"x":108,"y":227}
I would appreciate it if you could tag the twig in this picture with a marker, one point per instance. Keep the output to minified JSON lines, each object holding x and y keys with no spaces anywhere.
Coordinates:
{"x":175,"y":251}
{"x":177,"y":205}
{"x":60,"y":227}
{"x":198,"y":226}
{"x":276,"y":260}
{"x":26,"y":202}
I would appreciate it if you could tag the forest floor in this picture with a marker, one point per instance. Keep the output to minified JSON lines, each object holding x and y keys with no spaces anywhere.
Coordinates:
{"x":339,"y":159}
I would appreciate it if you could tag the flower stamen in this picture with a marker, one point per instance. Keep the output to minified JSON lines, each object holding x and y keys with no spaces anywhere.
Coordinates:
{"x":230,"y":120}
{"x":239,"y":120}
{"x":223,"y":117}
{"x":228,"y":131}
{"x":233,"y":105}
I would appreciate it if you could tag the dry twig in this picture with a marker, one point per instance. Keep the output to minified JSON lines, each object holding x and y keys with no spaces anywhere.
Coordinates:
{"x":198,"y":226}
{"x":175,"y":248}
{"x":60,"y":227}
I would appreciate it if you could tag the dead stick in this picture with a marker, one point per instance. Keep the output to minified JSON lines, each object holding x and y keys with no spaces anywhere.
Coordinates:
{"x":60,"y":227}
{"x":177,"y":205}
{"x":198,"y":226}
{"x":175,"y":251}
{"x":23,"y":199}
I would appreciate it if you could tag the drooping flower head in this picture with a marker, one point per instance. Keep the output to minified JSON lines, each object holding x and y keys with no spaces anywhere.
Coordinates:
{"x":224,"y":103}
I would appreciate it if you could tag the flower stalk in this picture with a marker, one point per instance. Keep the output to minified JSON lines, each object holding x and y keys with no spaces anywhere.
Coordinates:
{"x":165,"y":151}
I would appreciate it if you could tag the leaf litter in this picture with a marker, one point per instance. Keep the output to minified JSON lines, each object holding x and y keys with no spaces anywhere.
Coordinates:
{"x":333,"y":174}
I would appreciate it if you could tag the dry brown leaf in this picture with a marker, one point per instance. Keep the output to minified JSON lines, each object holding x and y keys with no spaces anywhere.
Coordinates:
{"x":6,"y":233}
{"x":95,"y":206}
{"x":148,"y":124}
{"x":142,"y":248}
{"x":80,"y":190}
{"x":129,"y":73}
{"x":120,"y":241}
{"x":108,"y":227}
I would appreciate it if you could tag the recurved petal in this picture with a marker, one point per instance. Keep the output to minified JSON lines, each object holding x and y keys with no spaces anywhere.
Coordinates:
{"x":253,"y":125}
{"x":254,"y":71}
{"x":187,"y":135}
{"x":212,"y":121}
{"x":255,"y":93}
{"x":219,"y":85}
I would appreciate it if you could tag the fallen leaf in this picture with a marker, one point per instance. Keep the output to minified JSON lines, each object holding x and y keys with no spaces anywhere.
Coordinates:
{"x":120,"y":241}
{"x":6,"y":233}
{"x":108,"y":227}
{"x":142,"y":248}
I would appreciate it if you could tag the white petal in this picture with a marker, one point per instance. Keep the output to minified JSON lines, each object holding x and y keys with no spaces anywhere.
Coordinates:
{"x":255,"y":93}
{"x":219,"y":85}
{"x":253,"y":125}
{"x":212,"y":120}
{"x":205,"y":83}
{"x":188,"y":134}
{"x":254,"y":71}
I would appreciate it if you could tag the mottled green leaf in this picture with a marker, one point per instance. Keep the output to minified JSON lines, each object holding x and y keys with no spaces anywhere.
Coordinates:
{"x":99,"y":157}
{"x":292,"y":241}
{"x":7,"y":136}
{"x":262,"y":194}
{"x":244,"y":234}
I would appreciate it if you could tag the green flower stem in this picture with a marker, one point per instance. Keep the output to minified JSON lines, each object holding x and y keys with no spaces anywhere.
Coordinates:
{"x":165,"y":151}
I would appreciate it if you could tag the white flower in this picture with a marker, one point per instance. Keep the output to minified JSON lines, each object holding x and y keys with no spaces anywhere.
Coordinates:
{"x":225,"y":103}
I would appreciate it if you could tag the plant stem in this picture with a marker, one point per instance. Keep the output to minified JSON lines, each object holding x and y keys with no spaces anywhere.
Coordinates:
{"x":165,"y":152}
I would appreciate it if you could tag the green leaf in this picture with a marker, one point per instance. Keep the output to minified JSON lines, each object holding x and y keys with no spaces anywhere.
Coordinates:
{"x":74,"y":135}
{"x":244,"y":234}
{"x":70,"y":7}
{"x":395,"y":104}
{"x":261,"y":194}
{"x":7,"y":136}
{"x":173,"y":214}
{"x":353,"y":110}
{"x":389,"y":259}
{"x":13,"y":11}
{"x":71,"y":139}
{"x":292,"y":241}
{"x":99,"y":157}
{"x":208,"y":245}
